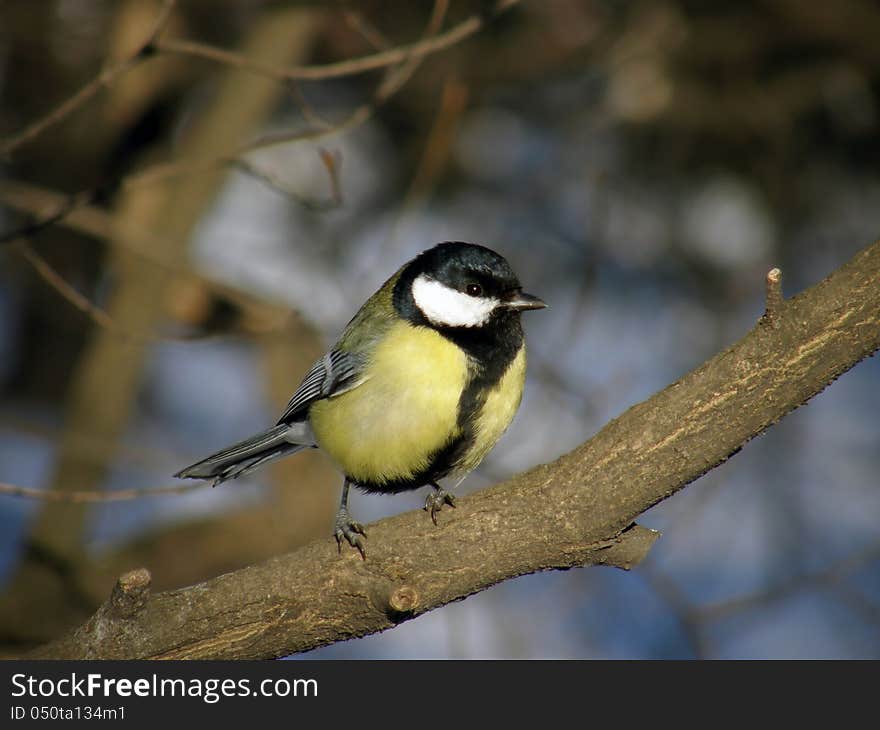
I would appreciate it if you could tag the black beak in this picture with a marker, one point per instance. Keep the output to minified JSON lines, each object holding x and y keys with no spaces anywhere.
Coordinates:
{"x":520,"y":301}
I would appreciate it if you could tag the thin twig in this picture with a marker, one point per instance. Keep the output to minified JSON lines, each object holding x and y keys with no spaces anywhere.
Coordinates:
{"x":91,"y":448}
{"x":834,"y":573}
{"x":97,"y":223}
{"x":95,"y":313}
{"x":331,"y":163}
{"x":355,"y":20}
{"x":410,"y":56}
{"x":60,"y":285}
{"x":393,"y":81}
{"x":164,"y":171}
{"x":440,"y":137}
{"x":317,"y":121}
{"x":64,"y":207}
{"x":103,"y":80}
{"x":351,"y":67}
{"x":120,"y":495}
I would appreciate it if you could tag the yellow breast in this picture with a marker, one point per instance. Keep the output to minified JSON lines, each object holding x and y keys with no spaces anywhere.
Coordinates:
{"x":501,"y":405}
{"x":388,"y":428}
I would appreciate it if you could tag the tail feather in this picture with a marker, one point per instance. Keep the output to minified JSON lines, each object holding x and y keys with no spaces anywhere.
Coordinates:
{"x":245,"y":456}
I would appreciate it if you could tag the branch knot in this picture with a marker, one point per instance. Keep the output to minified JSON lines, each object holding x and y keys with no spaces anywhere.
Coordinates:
{"x":130,"y":594}
{"x":774,"y":300}
{"x":403,"y":601}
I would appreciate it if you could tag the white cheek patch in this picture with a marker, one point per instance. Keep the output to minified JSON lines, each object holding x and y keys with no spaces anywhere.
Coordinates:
{"x":446,"y":307}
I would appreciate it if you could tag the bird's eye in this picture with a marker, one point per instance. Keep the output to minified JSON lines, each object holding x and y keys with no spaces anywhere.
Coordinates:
{"x":474,"y":290}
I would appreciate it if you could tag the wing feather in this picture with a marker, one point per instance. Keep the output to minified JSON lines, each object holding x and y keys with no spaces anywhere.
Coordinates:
{"x":334,"y":374}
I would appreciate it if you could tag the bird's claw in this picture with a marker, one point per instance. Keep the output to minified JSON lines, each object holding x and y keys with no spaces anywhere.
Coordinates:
{"x":435,"y":500}
{"x":348,"y":529}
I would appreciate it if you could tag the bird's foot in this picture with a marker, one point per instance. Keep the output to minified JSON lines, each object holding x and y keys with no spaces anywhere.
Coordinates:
{"x":435,"y":500}
{"x":346,"y":528}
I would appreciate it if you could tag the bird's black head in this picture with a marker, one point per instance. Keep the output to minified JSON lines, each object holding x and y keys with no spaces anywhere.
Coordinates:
{"x":460,"y":285}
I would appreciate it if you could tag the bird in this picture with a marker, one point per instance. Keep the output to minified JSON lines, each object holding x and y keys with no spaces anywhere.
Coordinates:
{"x":420,"y":386}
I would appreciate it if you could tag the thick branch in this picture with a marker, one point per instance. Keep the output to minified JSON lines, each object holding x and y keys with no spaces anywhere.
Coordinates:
{"x":572,"y":512}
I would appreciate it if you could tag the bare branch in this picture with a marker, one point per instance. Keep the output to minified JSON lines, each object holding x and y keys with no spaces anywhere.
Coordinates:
{"x":62,"y":208}
{"x":92,"y":495}
{"x":409,"y":58}
{"x":383,"y":59}
{"x":332,"y":163}
{"x":579,"y":510}
{"x":96,"y":222}
{"x":97,"y":315}
{"x":104,"y":79}
{"x":355,"y":20}
{"x":835,"y":573}
{"x":393,"y":81}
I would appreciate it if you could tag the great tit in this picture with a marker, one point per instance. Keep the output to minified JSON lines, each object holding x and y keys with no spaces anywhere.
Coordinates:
{"x":424,"y":380}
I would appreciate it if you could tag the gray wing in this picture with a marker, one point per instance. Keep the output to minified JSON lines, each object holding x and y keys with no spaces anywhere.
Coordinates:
{"x":333,"y":374}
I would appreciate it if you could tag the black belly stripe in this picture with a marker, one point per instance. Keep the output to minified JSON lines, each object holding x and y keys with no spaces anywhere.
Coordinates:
{"x":491,"y":361}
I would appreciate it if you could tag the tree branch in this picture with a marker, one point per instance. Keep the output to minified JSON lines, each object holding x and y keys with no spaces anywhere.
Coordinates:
{"x":576,"y":511}
{"x":424,"y":47}
{"x":408,"y":57}
{"x":102,"y":81}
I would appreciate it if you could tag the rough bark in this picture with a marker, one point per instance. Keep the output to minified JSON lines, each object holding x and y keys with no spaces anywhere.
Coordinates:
{"x":576,"y":511}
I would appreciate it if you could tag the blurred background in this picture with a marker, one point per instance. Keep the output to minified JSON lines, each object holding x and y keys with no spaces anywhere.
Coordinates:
{"x":641,"y":164}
